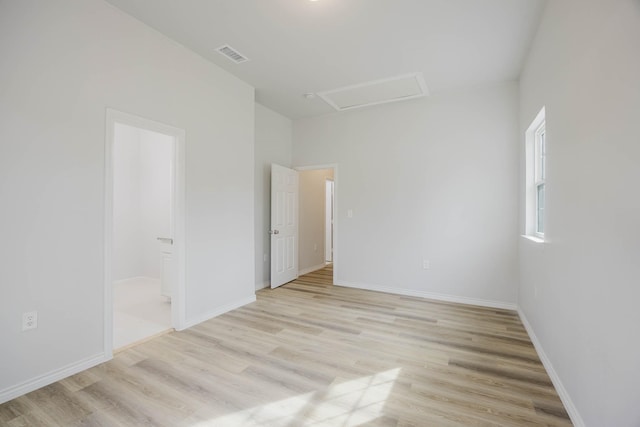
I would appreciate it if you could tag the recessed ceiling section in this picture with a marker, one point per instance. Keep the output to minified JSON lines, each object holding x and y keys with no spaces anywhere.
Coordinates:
{"x":393,"y":89}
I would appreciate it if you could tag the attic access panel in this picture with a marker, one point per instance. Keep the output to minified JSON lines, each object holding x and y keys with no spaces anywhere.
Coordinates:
{"x":400,"y":88}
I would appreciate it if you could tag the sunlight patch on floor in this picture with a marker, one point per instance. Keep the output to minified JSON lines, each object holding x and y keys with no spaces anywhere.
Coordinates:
{"x":346,"y":404}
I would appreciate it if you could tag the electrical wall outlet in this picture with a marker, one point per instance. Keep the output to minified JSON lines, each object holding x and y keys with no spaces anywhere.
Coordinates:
{"x":426,"y":264}
{"x":29,"y":320}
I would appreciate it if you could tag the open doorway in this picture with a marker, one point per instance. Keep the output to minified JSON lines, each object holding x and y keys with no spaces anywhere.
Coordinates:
{"x":316,"y":246}
{"x":143,"y":276}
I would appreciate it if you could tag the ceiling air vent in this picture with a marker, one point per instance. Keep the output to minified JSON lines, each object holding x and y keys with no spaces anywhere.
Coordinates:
{"x":399,"y":88}
{"x":232,"y":54}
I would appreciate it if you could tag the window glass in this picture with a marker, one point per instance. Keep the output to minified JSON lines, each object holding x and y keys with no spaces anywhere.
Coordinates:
{"x":540,"y":209}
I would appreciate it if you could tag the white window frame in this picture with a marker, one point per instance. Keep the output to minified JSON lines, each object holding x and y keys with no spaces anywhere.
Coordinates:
{"x":535,"y":179}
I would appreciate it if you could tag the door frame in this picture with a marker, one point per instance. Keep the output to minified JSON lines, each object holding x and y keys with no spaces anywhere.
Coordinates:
{"x":178,"y":320}
{"x":333,"y":166}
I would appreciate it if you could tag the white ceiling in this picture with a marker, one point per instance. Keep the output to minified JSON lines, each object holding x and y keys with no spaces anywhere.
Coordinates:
{"x":301,"y":46}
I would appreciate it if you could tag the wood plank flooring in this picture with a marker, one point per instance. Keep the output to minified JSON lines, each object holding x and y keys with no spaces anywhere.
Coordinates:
{"x":309,"y":353}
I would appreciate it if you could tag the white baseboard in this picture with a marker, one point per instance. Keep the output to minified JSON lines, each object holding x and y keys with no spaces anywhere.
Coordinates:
{"x":71,"y":369}
{"x":51,"y":377}
{"x":432,"y":295}
{"x":266,"y":284}
{"x":311,"y":269}
{"x":218,"y":311}
{"x":576,"y":419}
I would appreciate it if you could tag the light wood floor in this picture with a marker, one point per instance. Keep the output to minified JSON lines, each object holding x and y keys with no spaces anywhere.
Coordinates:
{"x":309,"y":353}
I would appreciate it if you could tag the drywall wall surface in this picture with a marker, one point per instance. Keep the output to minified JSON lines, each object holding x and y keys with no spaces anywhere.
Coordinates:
{"x":63,"y":64}
{"x":430,"y":180}
{"x":311,"y":218}
{"x":272,"y":145}
{"x":579,"y":290}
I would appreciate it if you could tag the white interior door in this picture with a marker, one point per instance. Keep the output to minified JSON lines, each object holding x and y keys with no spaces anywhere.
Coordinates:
{"x":284,"y":225}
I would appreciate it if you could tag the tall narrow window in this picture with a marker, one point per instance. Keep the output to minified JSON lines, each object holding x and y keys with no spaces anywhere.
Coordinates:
{"x":540,"y":168}
{"x":536,"y":157}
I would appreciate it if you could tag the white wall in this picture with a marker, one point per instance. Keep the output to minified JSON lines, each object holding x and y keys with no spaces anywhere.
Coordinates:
{"x":311,"y":223}
{"x":585,"y":67}
{"x":272,"y":145}
{"x":63,"y":64}
{"x":142,"y":200}
{"x":428,"y":179}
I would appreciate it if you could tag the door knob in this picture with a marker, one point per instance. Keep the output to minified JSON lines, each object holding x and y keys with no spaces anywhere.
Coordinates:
{"x":274,"y":232}
{"x":168,"y":240}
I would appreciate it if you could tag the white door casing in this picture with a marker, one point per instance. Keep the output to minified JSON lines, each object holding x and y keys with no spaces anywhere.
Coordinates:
{"x":177,"y":251}
{"x":284,"y":225}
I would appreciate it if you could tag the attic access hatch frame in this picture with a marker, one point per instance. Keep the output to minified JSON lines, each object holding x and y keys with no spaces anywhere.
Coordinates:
{"x":375,"y":92}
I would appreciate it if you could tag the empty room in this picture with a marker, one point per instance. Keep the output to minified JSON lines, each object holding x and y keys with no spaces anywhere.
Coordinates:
{"x":393,"y":213}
